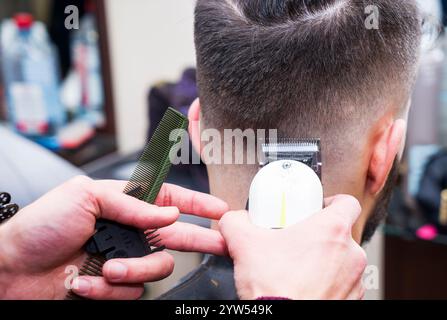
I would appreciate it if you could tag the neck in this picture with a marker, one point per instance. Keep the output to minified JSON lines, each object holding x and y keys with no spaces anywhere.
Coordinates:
{"x":231,"y":183}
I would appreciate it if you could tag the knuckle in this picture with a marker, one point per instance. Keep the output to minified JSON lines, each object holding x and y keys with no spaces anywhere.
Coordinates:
{"x":162,"y":266}
{"x":165,"y":195}
{"x":108,"y":291}
{"x":187,"y":241}
{"x":83,"y":187}
{"x":350,"y":202}
{"x":138,"y":293}
{"x":108,"y":271}
{"x":345,"y":197}
{"x":341,"y":197}
{"x":135,"y":293}
{"x":229,"y":218}
{"x":356,"y":204}
{"x":361,"y":260}
{"x":193,"y":202}
{"x":80,"y":182}
{"x":101,"y":291}
{"x":339,"y":227}
{"x":224,"y":220}
{"x":168,"y":263}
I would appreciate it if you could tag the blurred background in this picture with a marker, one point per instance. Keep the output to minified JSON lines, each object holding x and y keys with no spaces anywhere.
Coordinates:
{"x":84,"y":82}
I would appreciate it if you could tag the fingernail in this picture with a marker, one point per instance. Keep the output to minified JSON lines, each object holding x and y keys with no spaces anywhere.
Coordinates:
{"x":81,"y":285}
{"x":117,"y":270}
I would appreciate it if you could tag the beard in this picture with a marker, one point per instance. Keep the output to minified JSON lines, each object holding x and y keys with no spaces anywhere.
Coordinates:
{"x":380,"y":210}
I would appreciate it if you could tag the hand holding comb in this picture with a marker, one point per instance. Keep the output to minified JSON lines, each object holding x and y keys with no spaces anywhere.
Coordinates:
{"x":113,"y":240}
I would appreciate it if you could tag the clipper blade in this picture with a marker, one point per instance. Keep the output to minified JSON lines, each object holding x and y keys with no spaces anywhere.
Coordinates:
{"x":307,"y":151}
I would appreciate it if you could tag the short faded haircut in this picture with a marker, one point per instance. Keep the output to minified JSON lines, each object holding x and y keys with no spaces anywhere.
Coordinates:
{"x":309,"y":68}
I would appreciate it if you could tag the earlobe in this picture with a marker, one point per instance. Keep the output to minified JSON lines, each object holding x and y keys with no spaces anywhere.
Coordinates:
{"x":387,"y":147}
{"x":194,"y":125}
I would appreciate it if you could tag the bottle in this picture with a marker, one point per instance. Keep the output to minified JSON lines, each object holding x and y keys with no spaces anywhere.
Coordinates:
{"x":31,"y":78}
{"x":87,"y":65}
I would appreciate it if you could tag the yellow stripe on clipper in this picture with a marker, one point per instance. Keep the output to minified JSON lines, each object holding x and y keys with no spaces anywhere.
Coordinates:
{"x":282,"y":222}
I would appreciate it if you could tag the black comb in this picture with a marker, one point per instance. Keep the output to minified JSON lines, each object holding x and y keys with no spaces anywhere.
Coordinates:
{"x":114,"y":240}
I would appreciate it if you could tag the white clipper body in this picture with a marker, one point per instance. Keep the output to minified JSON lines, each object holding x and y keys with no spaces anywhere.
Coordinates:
{"x":283,"y":193}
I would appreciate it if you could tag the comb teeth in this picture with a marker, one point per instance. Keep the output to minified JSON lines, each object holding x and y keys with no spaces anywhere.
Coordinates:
{"x":151,"y":236}
{"x":91,"y":267}
{"x":153,"y":240}
{"x":154,"y":162}
{"x":149,"y":232}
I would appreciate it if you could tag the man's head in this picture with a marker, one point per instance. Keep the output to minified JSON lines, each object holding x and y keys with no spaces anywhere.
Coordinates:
{"x":311,"y":69}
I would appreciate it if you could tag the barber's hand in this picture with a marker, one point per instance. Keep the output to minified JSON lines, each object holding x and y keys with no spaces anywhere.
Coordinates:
{"x":44,"y":238}
{"x":315,"y":259}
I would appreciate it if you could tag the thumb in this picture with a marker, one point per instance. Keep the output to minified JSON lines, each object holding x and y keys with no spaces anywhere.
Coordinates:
{"x":234,"y":226}
{"x":117,"y":206}
{"x":345,"y":206}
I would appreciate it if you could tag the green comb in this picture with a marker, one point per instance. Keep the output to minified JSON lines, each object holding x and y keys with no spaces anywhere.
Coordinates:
{"x":154,"y":164}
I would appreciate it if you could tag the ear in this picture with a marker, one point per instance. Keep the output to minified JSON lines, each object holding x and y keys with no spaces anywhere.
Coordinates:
{"x":194,"y":125}
{"x":388,"y":145}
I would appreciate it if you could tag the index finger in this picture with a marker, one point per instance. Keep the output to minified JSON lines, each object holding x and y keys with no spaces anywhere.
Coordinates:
{"x":187,"y":201}
{"x":191,"y":202}
{"x":345,"y":206}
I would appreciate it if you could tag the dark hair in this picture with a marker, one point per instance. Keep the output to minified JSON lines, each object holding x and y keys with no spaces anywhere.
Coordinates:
{"x":309,"y":68}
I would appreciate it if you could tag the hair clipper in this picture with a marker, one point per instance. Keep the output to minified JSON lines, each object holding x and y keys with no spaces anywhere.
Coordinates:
{"x":287,"y":189}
